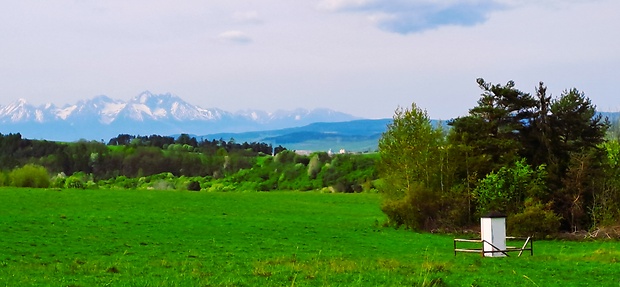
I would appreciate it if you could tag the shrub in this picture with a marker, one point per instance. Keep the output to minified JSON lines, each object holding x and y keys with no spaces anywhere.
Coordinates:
{"x":536,"y":219}
{"x":457,"y":208}
{"x":91,"y":185}
{"x":30,"y":175}
{"x":506,"y":189}
{"x":285,"y":156}
{"x":418,"y":209}
{"x":4,"y":179}
{"x":220,"y":187}
{"x":58,"y":181}
{"x":314,"y":166}
{"x":74,"y":182}
{"x":162,"y":184}
{"x":125,"y":182}
{"x":193,"y":185}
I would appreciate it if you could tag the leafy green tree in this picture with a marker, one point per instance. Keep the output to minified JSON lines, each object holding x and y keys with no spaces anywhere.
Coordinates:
{"x":9,"y":145}
{"x":605,"y":210}
{"x":186,"y":139}
{"x":409,"y":166}
{"x":506,"y":189}
{"x":409,"y":149}
{"x":285,"y":156}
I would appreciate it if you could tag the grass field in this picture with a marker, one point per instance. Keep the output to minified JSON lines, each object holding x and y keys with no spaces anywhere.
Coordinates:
{"x":156,"y":238}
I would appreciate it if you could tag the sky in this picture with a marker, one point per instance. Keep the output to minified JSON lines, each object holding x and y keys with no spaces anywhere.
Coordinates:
{"x":362,"y":57}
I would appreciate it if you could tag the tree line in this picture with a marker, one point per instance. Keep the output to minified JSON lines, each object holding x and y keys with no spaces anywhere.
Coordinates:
{"x":160,"y":162}
{"x":133,"y":156}
{"x":547,"y":162}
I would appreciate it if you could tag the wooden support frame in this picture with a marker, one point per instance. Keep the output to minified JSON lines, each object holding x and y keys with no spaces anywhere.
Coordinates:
{"x":528,"y":241}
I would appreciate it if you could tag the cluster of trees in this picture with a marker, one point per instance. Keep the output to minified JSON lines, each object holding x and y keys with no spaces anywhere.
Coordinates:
{"x":349,"y":173}
{"x":205,"y":146}
{"x":133,"y":156}
{"x":544,"y":161}
{"x":159,"y":162}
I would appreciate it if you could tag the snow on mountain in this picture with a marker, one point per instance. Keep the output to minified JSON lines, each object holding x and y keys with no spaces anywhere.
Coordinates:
{"x":17,"y":111}
{"x":100,"y":109}
{"x":65,"y":112}
{"x":21,"y":111}
{"x":146,"y":113}
{"x":148,"y":106}
{"x":255,"y":115}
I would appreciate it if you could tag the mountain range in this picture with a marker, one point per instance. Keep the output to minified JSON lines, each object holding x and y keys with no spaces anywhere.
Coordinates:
{"x":357,"y":135}
{"x":101,"y":118}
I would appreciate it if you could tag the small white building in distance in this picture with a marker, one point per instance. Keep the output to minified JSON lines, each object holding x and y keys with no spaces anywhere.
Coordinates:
{"x":342,"y":151}
{"x":303,"y":152}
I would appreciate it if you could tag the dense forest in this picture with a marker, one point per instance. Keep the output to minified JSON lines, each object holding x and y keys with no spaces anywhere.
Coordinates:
{"x":549,"y":163}
{"x":160,"y":162}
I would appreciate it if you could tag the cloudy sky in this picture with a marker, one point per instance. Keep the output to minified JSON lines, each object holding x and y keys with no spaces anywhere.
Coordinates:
{"x":363,"y":57}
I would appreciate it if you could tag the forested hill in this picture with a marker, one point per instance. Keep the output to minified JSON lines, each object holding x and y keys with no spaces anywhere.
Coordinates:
{"x":357,"y":135}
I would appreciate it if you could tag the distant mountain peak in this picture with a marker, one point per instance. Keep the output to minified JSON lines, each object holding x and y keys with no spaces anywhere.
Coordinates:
{"x":142,"y":98}
{"x":17,"y":111}
{"x":146,"y":113}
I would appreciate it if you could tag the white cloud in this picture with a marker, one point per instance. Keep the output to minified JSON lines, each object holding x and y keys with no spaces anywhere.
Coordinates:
{"x":337,"y":5}
{"x":235,"y":36}
{"x":411,"y":16}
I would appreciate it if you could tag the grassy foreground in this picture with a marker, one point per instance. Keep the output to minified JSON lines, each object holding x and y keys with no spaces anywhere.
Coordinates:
{"x":156,"y":238}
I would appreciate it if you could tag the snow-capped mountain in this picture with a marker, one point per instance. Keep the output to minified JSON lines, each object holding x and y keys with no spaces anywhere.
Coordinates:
{"x":18,"y":111}
{"x":102,"y":117}
{"x":147,"y":106}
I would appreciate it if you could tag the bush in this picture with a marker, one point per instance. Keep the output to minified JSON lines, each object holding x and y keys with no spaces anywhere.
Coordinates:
{"x":4,"y":179}
{"x":220,"y":187}
{"x":162,"y":184}
{"x":74,"y":182}
{"x":30,"y":175}
{"x":537,"y":219}
{"x":193,"y":185}
{"x":418,"y":210}
{"x":80,"y":180}
{"x":285,"y":156}
{"x":58,"y":181}
{"x":125,"y":182}
{"x":506,"y":189}
{"x":457,"y":206}
{"x":91,"y":185}
{"x":314,"y":166}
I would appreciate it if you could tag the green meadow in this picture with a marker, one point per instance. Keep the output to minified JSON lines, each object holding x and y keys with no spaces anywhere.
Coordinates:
{"x":173,"y":238}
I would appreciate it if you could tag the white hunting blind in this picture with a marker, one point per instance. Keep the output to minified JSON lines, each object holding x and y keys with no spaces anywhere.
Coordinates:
{"x":493,"y":234}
